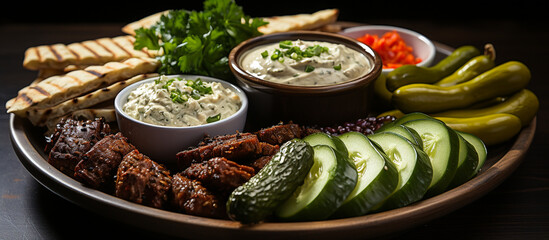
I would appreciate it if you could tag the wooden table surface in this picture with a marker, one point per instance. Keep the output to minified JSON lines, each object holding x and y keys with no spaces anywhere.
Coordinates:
{"x":517,"y":209}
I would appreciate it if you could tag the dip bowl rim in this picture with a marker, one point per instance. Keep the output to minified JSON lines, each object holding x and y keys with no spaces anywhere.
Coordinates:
{"x":242,"y":75}
{"x":426,"y":62}
{"x":121,"y":99}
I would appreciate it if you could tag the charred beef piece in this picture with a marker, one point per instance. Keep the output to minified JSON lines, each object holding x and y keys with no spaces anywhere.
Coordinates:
{"x":259,"y":163}
{"x":279,"y":134}
{"x":219,"y":174}
{"x":143,"y":181}
{"x":268,"y":149}
{"x":99,"y":165}
{"x":190,"y":197}
{"x":71,"y":140}
{"x":236,"y":147}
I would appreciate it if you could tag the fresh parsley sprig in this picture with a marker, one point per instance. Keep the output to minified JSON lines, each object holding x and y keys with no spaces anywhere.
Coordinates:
{"x":199,"y":42}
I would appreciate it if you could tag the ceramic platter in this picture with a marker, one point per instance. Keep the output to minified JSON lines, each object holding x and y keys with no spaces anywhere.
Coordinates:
{"x":502,"y":160}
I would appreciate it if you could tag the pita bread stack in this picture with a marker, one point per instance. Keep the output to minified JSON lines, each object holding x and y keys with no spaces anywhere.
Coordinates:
{"x":276,"y":24}
{"x":82,"y":79}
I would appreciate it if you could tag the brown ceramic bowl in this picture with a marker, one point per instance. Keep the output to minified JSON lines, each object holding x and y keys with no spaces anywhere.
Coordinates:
{"x":270,"y":103}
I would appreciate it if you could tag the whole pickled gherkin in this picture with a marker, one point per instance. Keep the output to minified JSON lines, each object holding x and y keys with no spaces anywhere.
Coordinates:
{"x":524,"y":104}
{"x":474,"y":67}
{"x":492,"y":129}
{"x":256,"y":200}
{"x":409,"y":74}
{"x":471,"y":69}
{"x":504,"y":79}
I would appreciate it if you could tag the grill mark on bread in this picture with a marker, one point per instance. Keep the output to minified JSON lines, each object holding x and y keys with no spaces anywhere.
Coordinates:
{"x":78,"y":57}
{"x":94,"y":73}
{"x":127,"y":45}
{"x":74,"y":78}
{"x":26,"y":98}
{"x":56,"y":86}
{"x":91,"y":50}
{"x":38,"y":54}
{"x":55,"y":53}
{"x":105,"y":47}
{"x":40,"y":90}
{"x":123,"y":49}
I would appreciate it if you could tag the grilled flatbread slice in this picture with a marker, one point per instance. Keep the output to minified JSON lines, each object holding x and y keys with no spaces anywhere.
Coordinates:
{"x":144,"y":22}
{"x":91,"y":52}
{"x":39,"y":116}
{"x":276,"y":23}
{"x":57,"y":89}
{"x":288,"y":23}
{"x":44,"y":74}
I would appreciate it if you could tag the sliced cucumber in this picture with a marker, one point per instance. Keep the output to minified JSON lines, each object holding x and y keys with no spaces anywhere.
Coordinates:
{"x":257,"y":199}
{"x":413,"y":165}
{"x":328,"y":184}
{"x":406,"y":132}
{"x":467,"y":163}
{"x":325,"y":139}
{"x":377,"y":176}
{"x":479,"y":146}
{"x":441,"y":143}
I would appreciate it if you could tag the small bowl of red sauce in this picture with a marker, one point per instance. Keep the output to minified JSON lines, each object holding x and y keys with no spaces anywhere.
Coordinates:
{"x":395,"y":45}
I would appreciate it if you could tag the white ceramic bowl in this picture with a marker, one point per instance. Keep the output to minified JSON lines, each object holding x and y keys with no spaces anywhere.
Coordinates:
{"x":422,"y":46}
{"x":161,"y":143}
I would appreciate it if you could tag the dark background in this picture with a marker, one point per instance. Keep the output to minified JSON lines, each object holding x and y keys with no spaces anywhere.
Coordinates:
{"x":467,"y":11}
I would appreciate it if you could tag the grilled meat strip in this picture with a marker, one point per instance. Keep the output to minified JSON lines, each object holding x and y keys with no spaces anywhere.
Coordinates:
{"x":259,"y":163}
{"x":279,"y":134}
{"x":99,"y":165}
{"x":190,"y":197}
{"x":219,"y":174}
{"x":236,"y":147}
{"x":143,"y":181}
{"x":71,"y":139}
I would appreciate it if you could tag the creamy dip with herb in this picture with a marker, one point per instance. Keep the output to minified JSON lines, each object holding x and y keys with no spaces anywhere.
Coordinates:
{"x":305,"y":63}
{"x":180,"y":102}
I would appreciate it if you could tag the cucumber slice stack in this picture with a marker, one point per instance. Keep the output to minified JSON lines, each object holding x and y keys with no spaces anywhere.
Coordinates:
{"x":441,"y":143}
{"x":331,"y":178}
{"x":414,"y":169}
{"x":429,"y":158}
{"x":377,"y":175}
{"x":467,"y":162}
{"x":350,"y":175}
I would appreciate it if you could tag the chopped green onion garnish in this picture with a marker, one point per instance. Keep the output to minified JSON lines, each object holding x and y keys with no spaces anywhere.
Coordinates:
{"x":309,"y":68}
{"x":213,"y":118}
{"x":337,"y":67}
{"x":199,"y":89}
{"x":295,"y":52}
{"x":285,"y":44}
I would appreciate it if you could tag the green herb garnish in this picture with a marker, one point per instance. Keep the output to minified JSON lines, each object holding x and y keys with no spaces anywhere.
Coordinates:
{"x":213,"y":118}
{"x":199,"y":89}
{"x":337,"y":67}
{"x":199,"y":42}
{"x":178,"y":97}
{"x":285,"y":44}
{"x":309,"y":68}
{"x":287,"y":49}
